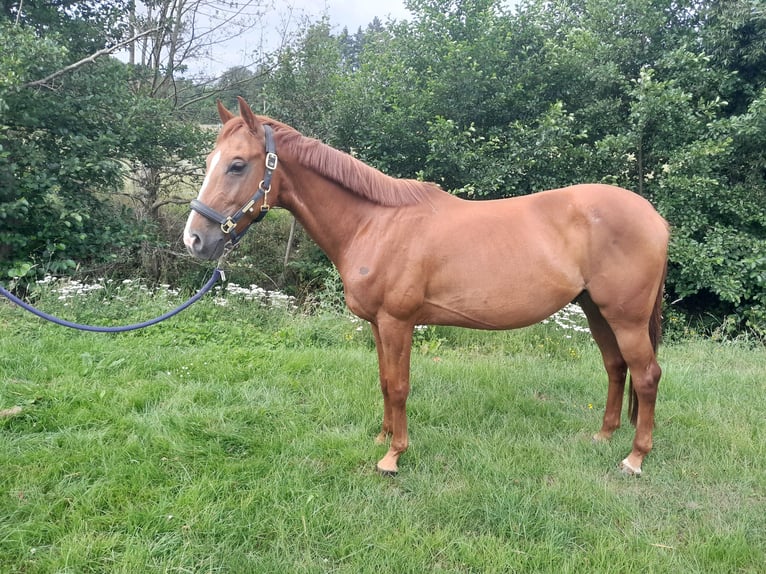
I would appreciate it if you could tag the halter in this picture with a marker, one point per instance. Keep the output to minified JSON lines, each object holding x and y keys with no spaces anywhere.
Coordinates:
{"x":229,"y":223}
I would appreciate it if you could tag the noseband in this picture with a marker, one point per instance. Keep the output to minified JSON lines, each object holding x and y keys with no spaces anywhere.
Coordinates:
{"x":229,"y":223}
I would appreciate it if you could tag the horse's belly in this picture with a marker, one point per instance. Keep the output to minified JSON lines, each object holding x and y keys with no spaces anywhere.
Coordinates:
{"x":489,"y":309}
{"x":522,"y":288}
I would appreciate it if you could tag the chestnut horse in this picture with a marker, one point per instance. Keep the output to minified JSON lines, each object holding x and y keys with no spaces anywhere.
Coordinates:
{"x":411,"y":254}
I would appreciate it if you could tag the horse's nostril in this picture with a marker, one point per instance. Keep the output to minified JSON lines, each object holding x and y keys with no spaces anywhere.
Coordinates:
{"x":192,"y":241}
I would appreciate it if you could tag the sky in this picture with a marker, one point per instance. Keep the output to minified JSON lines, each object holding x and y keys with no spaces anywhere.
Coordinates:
{"x":356,"y":13}
{"x":291,"y":15}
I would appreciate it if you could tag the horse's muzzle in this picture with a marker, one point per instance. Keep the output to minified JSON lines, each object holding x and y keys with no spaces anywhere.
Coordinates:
{"x":203,"y":247}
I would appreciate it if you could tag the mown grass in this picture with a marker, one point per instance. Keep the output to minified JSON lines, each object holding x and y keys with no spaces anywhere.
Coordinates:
{"x":239,"y":439}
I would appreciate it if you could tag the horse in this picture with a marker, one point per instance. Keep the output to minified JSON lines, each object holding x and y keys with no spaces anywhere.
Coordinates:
{"x":410,"y":254}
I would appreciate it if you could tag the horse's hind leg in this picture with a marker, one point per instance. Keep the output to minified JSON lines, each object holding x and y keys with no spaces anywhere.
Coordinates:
{"x":638,"y":350}
{"x":614,"y":363}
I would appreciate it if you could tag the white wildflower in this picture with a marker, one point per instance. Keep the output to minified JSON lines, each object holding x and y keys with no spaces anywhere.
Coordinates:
{"x":570,"y":318}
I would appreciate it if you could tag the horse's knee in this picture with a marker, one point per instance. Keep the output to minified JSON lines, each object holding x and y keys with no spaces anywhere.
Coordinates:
{"x":646,"y":384}
{"x":398,"y":394}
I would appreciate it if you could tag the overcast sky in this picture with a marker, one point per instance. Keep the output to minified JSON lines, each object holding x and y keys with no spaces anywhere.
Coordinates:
{"x":356,"y":13}
{"x":292,"y":15}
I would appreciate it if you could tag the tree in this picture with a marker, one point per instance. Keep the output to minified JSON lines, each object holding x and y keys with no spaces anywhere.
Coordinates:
{"x":83,"y":26}
{"x":59,"y":155}
{"x":67,"y":140}
{"x":307,"y":78}
{"x":658,"y":96}
{"x":185,"y":31}
{"x":650,"y":86}
{"x":734,"y":34}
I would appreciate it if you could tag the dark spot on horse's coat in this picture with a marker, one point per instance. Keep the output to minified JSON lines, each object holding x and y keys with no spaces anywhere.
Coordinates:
{"x":363,"y":271}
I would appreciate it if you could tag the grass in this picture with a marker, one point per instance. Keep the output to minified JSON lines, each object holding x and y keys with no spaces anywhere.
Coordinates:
{"x":239,"y":439}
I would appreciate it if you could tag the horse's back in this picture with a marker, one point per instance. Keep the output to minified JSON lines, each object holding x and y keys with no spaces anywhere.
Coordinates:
{"x":589,"y":221}
{"x":573,"y":220}
{"x":514,"y":261}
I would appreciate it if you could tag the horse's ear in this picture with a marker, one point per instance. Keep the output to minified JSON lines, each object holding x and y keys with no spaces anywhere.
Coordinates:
{"x":247,"y":114}
{"x":224,"y":114}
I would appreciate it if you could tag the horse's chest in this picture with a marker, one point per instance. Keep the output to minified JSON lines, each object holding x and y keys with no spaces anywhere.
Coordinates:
{"x":368,"y":289}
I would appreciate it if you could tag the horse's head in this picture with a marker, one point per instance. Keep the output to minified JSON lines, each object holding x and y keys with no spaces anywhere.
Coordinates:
{"x":235,"y":192}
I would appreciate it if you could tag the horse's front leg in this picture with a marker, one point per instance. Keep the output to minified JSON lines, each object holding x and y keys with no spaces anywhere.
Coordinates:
{"x":393,"y":340}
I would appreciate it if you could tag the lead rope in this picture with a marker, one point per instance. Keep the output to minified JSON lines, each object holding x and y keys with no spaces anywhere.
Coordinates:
{"x":218,"y":273}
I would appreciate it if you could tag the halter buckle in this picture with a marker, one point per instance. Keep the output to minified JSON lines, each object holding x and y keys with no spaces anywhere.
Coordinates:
{"x":228,"y":226}
{"x":271,"y":161}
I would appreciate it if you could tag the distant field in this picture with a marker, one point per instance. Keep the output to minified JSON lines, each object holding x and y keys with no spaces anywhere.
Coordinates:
{"x":239,"y":438}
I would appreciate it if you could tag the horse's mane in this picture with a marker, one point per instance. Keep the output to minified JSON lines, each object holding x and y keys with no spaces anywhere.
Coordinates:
{"x":342,"y":168}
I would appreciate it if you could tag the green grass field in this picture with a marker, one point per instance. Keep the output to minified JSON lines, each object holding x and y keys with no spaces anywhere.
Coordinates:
{"x":240,"y":439}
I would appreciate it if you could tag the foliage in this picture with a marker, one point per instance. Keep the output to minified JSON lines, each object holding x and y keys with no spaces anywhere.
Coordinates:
{"x":84,"y":26}
{"x":65,"y":150}
{"x":59,"y":155}
{"x":307,"y":78}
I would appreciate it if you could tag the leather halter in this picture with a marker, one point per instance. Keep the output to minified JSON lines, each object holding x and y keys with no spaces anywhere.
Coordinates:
{"x":229,"y":223}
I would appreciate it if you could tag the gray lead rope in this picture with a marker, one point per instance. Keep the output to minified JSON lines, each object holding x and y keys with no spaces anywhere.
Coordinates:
{"x":217,"y":274}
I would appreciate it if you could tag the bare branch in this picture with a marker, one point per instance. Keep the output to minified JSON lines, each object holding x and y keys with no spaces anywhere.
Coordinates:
{"x":170,"y":201}
{"x":215,"y":92}
{"x":87,"y":60}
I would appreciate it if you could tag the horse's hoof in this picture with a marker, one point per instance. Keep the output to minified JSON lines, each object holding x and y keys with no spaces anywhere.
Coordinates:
{"x":628,"y":469}
{"x":387,"y":466}
{"x":386,"y":472}
{"x":602,"y":436}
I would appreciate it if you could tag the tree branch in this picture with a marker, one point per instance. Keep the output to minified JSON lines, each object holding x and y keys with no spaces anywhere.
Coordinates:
{"x":87,"y":60}
{"x":216,"y":91}
{"x":170,"y":201}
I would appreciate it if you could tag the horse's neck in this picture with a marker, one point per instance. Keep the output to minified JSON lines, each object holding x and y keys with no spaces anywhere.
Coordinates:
{"x":329,"y":214}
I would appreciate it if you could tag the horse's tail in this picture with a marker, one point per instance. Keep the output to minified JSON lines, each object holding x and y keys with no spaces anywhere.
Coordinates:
{"x":655,"y":336}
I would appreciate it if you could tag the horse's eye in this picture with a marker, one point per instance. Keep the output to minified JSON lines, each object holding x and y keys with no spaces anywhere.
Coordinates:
{"x":237,"y":167}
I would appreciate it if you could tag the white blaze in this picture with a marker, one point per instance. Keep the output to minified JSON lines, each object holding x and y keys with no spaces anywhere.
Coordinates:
{"x":213,"y":162}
